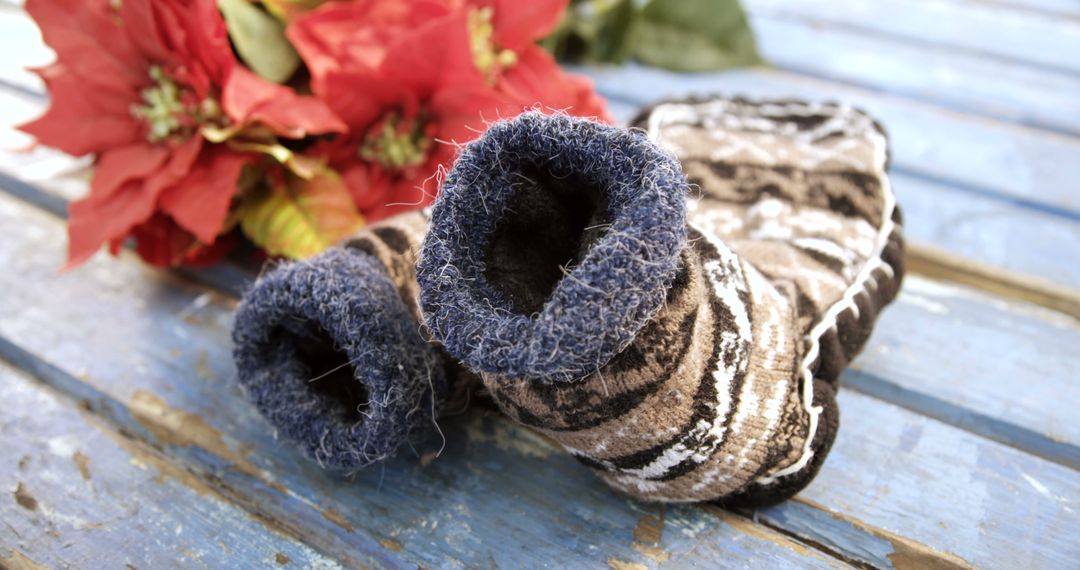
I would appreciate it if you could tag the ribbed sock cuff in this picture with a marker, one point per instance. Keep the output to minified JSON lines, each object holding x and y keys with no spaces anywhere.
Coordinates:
{"x":552,"y":243}
{"x":328,"y":352}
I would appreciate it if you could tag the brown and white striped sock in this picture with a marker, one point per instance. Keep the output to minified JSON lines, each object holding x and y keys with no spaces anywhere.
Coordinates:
{"x":727,"y":393}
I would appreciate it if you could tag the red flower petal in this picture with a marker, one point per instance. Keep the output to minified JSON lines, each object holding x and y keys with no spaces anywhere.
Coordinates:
{"x":352,"y":35}
{"x":88,"y":37}
{"x":361,"y":96}
{"x":537,"y":80}
{"x":140,"y":22}
{"x":126,"y":164}
{"x":159,"y":241}
{"x":123,"y":194}
{"x":519,"y":23}
{"x":200,"y":201}
{"x":434,"y":56}
{"x":249,"y":98}
{"x":83,"y":119}
{"x":464,"y":113}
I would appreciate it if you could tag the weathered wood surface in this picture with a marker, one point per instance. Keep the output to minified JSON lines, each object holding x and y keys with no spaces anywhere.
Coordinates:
{"x":174,"y":375}
{"x":959,"y":443}
{"x":79,"y":494}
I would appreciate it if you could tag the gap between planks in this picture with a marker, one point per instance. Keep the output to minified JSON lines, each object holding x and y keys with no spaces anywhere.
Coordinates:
{"x":936,"y":264}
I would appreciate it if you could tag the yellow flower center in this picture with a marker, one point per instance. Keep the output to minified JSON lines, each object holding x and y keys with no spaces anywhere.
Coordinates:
{"x":167,"y":114}
{"x":399,"y":143}
{"x":488,"y":58}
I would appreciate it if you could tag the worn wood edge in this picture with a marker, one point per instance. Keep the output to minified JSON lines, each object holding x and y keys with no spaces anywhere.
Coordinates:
{"x":939,"y":265}
{"x":883,"y":549}
{"x":208,"y":470}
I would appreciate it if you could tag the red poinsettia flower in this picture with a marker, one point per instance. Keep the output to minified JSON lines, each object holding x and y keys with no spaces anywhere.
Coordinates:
{"x":143,"y":84}
{"x":409,"y":78}
{"x":405,"y":114}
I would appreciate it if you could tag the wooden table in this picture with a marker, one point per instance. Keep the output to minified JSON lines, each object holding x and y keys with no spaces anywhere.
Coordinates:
{"x":124,"y":439}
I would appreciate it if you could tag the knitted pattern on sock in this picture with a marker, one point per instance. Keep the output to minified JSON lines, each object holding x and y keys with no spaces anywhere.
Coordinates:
{"x":534,"y":199}
{"x":798,"y":190}
{"x":330,"y":352}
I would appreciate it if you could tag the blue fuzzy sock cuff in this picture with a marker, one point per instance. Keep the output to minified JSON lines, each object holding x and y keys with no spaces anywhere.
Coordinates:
{"x":328,"y":352}
{"x":625,"y":258}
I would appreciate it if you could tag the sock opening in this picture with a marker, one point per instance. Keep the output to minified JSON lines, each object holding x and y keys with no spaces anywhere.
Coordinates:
{"x":329,"y":374}
{"x":552,"y":243}
{"x":330,"y":354}
{"x":550,"y":222}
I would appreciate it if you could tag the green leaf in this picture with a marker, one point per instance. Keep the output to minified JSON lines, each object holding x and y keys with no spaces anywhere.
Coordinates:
{"x":302,"y":165}
{"x":300,"y":218}
{"x":593,"y":31}
{"x":694,"y":35}
{"x":259,"y":38}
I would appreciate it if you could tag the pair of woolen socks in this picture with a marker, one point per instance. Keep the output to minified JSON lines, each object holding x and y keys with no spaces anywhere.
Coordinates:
{"x":673,"y":303}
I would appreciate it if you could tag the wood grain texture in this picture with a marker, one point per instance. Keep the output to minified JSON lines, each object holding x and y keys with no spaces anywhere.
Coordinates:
{"x":171,"y":384}
{"x":79,"y":495}
{"x":1010,"y":361}
{"x":943,"y":266}
{"x":1019,"y":37}
{"x":151,"y":354}
{"x":961,"y":81}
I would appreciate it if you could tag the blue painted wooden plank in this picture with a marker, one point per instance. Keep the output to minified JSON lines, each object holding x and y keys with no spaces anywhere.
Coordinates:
{"x":891,"y":468}
{"x":953,"y":80}
{"x":77,"y":494}
{"x":152,"y":354}
{"x":1009,"y":361}
{"x":494,"y":479}
{"x":1019,"y":37}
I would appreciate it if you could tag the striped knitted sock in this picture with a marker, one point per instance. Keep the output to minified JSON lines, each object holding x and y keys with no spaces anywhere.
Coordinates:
{"x":558,"y":266}
{"x":798,"y":190}
{"x":331,"y":353}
